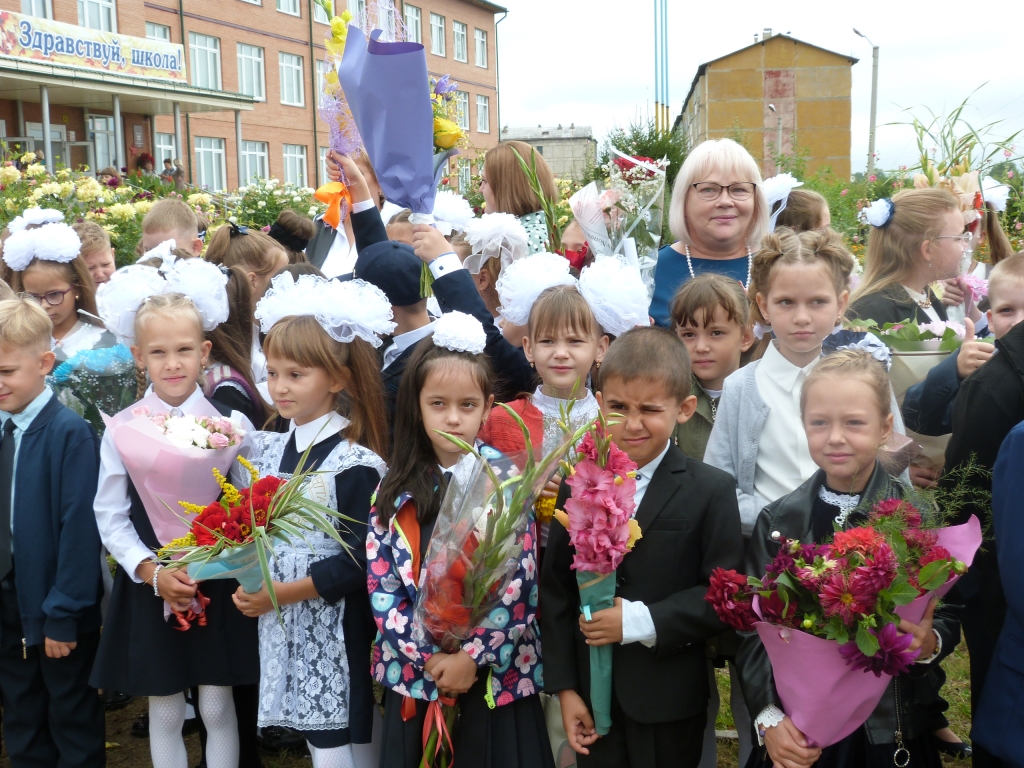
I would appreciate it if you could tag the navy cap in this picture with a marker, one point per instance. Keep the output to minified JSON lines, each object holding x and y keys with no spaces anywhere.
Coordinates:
{"x":394,"y":268}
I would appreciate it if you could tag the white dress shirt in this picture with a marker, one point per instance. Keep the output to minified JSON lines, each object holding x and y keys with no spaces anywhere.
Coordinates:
{"x":637,"y":624}
{"x":341,"y":258}
{"x":112,"y":505}
{"x":403,"y":341}
{"x":318,"y":430}
{"x":783,"y":460}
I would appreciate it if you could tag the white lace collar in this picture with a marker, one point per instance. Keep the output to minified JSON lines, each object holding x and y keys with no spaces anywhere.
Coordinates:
{"x":844,"y":502}
{"x":549,"y":406}
{"x":315,"y":432}
{"x":82,"y":336}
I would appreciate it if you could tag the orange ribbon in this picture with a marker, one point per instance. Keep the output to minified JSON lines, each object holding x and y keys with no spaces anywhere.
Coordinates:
{"x":435,"y":719}
{"x":333,"y":193}
{"x":185,"y":618}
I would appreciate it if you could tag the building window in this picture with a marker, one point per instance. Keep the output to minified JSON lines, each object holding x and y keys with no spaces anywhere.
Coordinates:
{"x":250,"y":72}
{"x":291,"y":7}
{"x":41,"y":8}
{"x":210,"y":163}
{"x":319,"y":14}
{"x":460,"y":41}
{"x":164,"y":149}
{"x":101,"y":134}
{"x":292,"y":92}
{"x":437,"y":34}
{"x":97,"y":14}
{"x":254,"y":2}
{"x":205,"y":57}
{"x":321,"y":72}
{"x":158,"y":32}
{"x":413,"y":24}
{"x":481,"y":48}
{"x":358,"y":8}
{"x":483,"y":114}
{"x":323,"y":165}
{"x":540,"y":149}
{"x":254,"y":161}
{"x":295,"y":164}
{"x":462,"y":107}
{"x":465,"y":175}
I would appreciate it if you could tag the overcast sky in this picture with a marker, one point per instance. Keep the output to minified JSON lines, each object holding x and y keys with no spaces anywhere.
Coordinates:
{"x":591,"y":62}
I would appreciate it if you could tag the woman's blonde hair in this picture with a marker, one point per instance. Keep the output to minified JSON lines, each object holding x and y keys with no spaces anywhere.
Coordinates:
{"x":505,"y":176}
{"x":803,"y":211}
{"x":726,"y":157}
{"x":301,"y":338}
{"x":852,"y":364}
{"x":559,"y":308}
{"x":784,"y":246}
{"x":893,"y":250}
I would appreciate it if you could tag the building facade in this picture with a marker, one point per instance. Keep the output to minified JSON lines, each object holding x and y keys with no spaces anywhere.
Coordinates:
{"x":571,"y":152}
{"x":775,"y":96}
{"x":242,"y":103}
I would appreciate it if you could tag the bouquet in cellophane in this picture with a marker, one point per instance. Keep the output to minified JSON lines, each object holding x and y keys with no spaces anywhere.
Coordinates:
{"x":828,"y":614}
{"x":599,"y":519}
{"x":473,"y":554}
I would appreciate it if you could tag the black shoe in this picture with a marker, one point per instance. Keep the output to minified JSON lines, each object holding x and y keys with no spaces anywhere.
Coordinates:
{"x":275,"y":739}
{"x":115,"y":700}
{"x":140,"y":727}
{"x":958,"y":750}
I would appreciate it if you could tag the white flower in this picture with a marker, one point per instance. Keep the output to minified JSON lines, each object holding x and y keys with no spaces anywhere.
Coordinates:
{"x":513,"y":592}
{"x":261,"y":204}
{"x":526,"y":658}
{"x":313,"y":211}
{"x":396,"y":621}
{"x":296,"y":199}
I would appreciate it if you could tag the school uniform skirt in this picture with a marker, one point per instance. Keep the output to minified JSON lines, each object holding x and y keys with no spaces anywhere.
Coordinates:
{"x":512,"y":736}
{"x":142,"y":654}
{"x":856,"y":752}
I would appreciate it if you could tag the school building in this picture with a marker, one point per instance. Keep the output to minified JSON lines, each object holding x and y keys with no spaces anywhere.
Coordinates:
{"x":229,"y":87}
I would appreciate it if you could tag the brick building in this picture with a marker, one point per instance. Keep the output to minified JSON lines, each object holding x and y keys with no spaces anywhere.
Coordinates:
{"x":775,"y":95}
{"x":571,"y":152}
{"x":228,"y":86}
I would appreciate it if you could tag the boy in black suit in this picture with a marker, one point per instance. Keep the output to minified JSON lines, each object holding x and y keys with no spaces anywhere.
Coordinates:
{"x":660,"y":621}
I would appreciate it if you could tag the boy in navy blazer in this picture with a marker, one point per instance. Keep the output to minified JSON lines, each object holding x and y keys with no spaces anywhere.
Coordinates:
{"x":50,"y":578}
{"x":660,"y":622}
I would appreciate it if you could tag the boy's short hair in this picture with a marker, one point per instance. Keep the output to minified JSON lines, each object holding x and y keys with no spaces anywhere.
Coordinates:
{"x":1006,"y":271}
{"x":463,"y":249}
{"x":93,"y":236}
{"x":171,"y":214}
{"x":24,"y":323}
{"x":402,"y":217}
{"x":649,"y":354}
{"x":704,"y":294}
{"x":6,"y":292}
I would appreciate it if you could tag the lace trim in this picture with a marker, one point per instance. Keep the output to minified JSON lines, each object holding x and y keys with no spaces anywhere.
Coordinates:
{"x":770,"y":717}
{"x":844,"y":502}
{"x":82,"y":337}
{"x":584,"y":410}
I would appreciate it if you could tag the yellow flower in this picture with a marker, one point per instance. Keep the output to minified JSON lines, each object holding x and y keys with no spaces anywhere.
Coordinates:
{"x":562,"y":517}
{"x":36,"y":169}
{"x":544,"y":508}
{"x":143,"y":206}
{"x":446,"y":133}
{"x":9,"y":204}
{"x":634,"y":534}
{"x":192,"y":509}
{"x":253,"y":474}
{"x":28,"y":157}
{"x":9,"y":175}
{"x":188,"y":540}
{"x":122,"y":211}
{"x":231,"y":494}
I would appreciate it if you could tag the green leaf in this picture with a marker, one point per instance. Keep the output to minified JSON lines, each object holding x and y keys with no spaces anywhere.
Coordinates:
{"x":902,"y":592}
{"x":933,"y":575}
{"x":899,"y":546}
{"x":866,"y":642}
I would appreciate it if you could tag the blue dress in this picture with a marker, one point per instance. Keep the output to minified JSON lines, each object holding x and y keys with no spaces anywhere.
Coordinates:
{"x":671,"y":272}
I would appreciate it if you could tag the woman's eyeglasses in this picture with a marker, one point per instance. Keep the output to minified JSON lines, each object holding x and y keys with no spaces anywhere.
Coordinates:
{"x":708,"y":190}
{"x":53,"y":298}
{"x":964,"y":239}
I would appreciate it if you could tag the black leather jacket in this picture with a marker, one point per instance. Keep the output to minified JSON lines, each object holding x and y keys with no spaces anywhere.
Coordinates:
{"x":790,"y":518}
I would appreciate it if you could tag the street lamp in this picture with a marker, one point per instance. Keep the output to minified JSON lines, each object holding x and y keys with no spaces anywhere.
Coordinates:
{"x":874,"y":100}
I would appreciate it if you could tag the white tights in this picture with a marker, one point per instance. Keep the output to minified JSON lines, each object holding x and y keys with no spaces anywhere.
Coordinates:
{"x":167,"y":716}
{"x":351,"y":755}
{"x":332,"y":757}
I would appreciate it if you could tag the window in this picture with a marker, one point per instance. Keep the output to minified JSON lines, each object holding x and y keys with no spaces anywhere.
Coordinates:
{"x":483,"y":114}
{"x":210,"y":163}
{"x":481,"y":48}
{"x":97,"y":14}
{"x":322,"y":68}
{"x":319,"y":14}
{"x":205,"y":57}
{"x":292,"y":92}
{"x":462,"y":105}
{"x":460,"y":41}
{"x":358,"y":8}
{"x":540,"y":149}
{"x":465,"y":175}
{"x":413,"y":24}
{"x":40,"y":8}
{"x":437,"y":34}
{"x":291,"y":7}
{"x":254,"y":2}
{"x":323,"y":165}
{"x":254,"y":161}
{"x":295,"y":164}
{"x":101,"y":134}
{"x":250,"y":72}
{"x":158,"y":32}
{"x":164,"y":149}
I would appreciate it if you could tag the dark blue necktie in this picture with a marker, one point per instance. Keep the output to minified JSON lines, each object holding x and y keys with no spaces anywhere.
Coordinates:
{"x":6,"y":482}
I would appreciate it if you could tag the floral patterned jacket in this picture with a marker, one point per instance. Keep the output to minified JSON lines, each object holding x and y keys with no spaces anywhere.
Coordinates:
{"x":510,"y":652}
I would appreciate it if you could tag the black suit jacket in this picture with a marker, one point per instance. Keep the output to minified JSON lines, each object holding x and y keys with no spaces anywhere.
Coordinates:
{"x":367,"y":226}
{"x":392,"y":378}
{"x":691,"y":525}
{"x":318,"y":248}
{"x":893,"y":304}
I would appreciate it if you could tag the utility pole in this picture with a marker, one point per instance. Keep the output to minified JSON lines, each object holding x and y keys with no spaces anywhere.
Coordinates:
{"x":662,"y":116}
{"x":874,"y":100}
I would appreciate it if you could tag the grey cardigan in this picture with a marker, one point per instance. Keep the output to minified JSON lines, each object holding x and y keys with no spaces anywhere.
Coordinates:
{"x":736,"y":436}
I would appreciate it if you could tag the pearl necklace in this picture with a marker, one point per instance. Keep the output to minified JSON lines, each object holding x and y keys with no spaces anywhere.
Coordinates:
{"x":750,"y":264}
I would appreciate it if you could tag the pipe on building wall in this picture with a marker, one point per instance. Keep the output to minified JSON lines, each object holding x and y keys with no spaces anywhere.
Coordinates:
{"x":316,"y":98}
{"x":177,"y":131}
{"x":188,"y":127}
{"x":119,"y":154}
{"x":21,"y":117}
{"x":497,"y":74}
{"x":44,"y":99}
{"x":238,"y":147}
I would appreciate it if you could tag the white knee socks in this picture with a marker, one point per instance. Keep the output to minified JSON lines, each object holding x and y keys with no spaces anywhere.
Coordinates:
{"x":166,"y":716}
{"x":333,"y":757}
{"x":217,"y":707}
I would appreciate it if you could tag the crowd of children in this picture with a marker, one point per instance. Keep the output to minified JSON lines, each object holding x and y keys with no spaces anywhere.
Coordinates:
{"x":752,"y":417}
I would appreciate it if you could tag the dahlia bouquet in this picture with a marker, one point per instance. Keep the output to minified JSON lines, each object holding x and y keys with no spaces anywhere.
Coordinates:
{"x":828,"y":614}
{"x":599,"y":519}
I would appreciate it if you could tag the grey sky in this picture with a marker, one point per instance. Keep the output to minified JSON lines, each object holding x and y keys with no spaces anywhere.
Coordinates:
{"x":591,"y":62}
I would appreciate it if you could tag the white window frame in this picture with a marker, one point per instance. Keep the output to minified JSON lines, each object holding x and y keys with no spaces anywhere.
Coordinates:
{"x":295,"y":170}
{"x":38,"y":8}
{"x":210,"y":149}
{"x":462,"y":105}
{"x":290,"y":7}
{"x":413,"y":23}
{"x":164,"y":149}
{"x":460,"y":32}
{"x":201,"y":49}
{"x":319,"y":14}
{"x":323,"y":164}
{"x":480,"y":38}
{"x":322,"y":68}
{"x":289,"y":66}
{"x":256,"y":162}
{"x":465,"y":174}
{"x":250,"y":61}
{"x":358,"y":9}
{"x":156,"y":31}
{"x":253,"y":2}
{"x":105,"y":14}
{"x":483,"y":113}
{"x":437,"y":34}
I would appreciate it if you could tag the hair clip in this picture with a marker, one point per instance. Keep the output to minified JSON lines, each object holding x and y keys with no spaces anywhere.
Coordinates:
{"x":879,"y":213}
{"x":237,"y":230}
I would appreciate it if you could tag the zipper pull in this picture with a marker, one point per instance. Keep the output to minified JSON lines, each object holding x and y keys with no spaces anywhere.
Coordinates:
{"x":24,"y":649}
